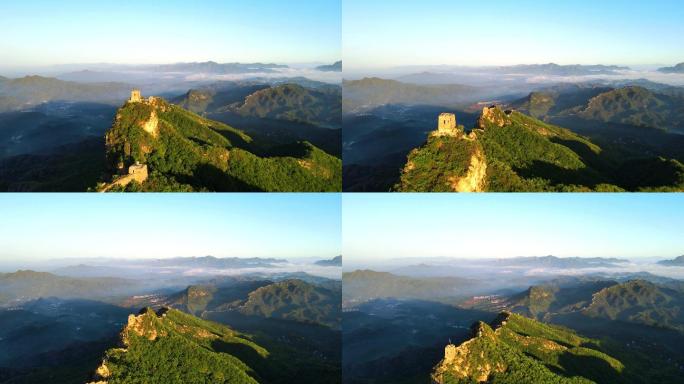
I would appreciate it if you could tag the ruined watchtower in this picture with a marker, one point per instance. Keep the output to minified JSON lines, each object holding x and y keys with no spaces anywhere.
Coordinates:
{"x":447,"y":122}
{"x":446,"y":125}
{"x":135,"y":96}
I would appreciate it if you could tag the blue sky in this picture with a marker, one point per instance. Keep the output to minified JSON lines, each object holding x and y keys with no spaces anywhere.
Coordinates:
{"x":42,"y":32}
{"x":384,"y":33}
{"x":47,"y":226}
{"x":377,"y":227}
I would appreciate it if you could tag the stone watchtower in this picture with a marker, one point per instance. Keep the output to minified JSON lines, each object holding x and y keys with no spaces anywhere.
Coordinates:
{"x":446,"y":125}
{"x":135,"y":96}
{"x":447,"y":122}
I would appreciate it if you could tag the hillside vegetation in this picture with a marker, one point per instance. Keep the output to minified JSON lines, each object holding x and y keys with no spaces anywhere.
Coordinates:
{"x":295,"y":300}
{"x":633,"y":301}
{"x":636,"y":106}
{"x":292,"y":299}
{"x":293,"y":102}
{"x":659,"y":107}
{"x":642,"y":302}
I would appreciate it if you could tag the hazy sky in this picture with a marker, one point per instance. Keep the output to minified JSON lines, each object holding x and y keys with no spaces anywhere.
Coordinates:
{"x":383,"y":33}
{"x":45,"y":226}
{"x":504,"y":225}
{"x":40,"y":32}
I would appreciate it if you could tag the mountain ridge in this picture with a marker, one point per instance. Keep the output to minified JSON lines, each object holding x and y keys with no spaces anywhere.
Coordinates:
{"x":510,"y":151}
{"x":178,"y":347}
{"x":175,"y":149}
{"x":515,"y":349}
{"x":677,"y":68}
{"x":677,"y":261}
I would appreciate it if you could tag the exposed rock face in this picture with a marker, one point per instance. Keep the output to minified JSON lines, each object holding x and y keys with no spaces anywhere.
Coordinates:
{"x":474,"y":180}
{"x":492,"y":115}
{"x":151,"y":126}
{"x":142,"y":325}
{"x":458,"y":360}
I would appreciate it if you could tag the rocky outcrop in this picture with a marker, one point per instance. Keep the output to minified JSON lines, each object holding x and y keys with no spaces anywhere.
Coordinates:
{"x":459,"y":362}
{"x":144,"y":325}
{"x":151,"y":126}
{"x":102,"y":373}
{"x":475,"y":178}
{"x":492,"y":115}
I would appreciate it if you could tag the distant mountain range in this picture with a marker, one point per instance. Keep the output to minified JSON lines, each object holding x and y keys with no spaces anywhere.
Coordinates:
{"x":515,"y":75}
{"x":215,"y":68}
{"x":215,"y":262}
{"x":334,"y":262}
{"x":26,"y":285}
{"x":676,"y":262}
{"x":562,"y":70}
{"x":335,"y":67}
{"x":363,"y":285}
{"x":679,"y":68}
{"x":148,"y":267}
{"x":370,"y":92}
{"x":561,"y":262}
{"x":32,"y":90}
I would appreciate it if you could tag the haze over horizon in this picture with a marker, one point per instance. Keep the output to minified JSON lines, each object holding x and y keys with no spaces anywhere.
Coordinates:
{"x":511,"y":225}
{"x":499,"y":33}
